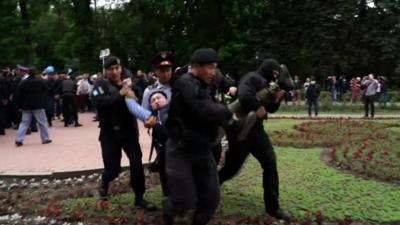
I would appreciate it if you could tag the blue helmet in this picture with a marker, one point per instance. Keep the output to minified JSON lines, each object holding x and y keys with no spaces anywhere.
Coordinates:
{"x":49,"y":69}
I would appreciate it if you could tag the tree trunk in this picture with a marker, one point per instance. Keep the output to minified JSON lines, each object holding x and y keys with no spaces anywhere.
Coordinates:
{"x":26,"y":23}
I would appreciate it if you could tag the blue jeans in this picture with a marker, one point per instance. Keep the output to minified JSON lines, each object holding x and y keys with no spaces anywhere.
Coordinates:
{"x":27,"y":117}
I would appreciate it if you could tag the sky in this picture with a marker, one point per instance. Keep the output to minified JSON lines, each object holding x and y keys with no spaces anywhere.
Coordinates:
{"x":101,"y":3}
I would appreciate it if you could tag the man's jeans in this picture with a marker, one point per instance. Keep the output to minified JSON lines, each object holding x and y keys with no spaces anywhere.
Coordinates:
{"x":27,"y":116}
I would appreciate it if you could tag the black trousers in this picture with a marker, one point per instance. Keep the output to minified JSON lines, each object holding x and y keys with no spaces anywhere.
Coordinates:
{"x":69,"y":109}
{"x":259,"y":145}
{"x":312,"y":104}
{"x":50,"y":110}
{"x":3,"y":119}
{"x":162,"y":170}
{"x":193,"y":182}
{"x":369,"y":104}
{"x":112,"y":144}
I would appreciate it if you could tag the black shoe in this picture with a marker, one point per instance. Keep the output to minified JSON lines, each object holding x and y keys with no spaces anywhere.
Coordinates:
{"x":2,"y":132}
{"x":103,"y":189}
{"x":47,"y":142}
{"x":78,"y":125}
{"x":281,"y":215}
{"x":144,"y":204}
{"x":18,"y":143}
{"x":245,"y":124}
{"x":66,"y":124}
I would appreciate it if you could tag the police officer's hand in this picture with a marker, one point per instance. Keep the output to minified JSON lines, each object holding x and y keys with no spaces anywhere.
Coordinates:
{"x":150,"y":122}
{"x":130,"y":94}
{"x":279,"y":96}
{"x":261,"y":112}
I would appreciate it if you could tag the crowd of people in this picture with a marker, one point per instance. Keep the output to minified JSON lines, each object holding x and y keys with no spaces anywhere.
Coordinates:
{"x":31,"y":98}
{"x":366,"y":90}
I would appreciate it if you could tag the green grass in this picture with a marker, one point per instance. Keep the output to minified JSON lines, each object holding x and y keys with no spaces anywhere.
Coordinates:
{"x":281,"y":124}
{"x":306,"y":184}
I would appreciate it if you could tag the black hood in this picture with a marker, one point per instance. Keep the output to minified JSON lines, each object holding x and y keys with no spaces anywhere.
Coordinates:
{"x":267,"y":67}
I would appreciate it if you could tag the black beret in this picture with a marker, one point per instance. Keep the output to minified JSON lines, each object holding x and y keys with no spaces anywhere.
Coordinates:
{"x":163,"y":59}
{"x":204,"y":55}
{"x":111,"y":61}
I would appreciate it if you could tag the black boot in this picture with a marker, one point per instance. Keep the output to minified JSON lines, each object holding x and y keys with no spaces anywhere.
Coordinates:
{"x":103,"y":189}
{"x":281,"y":215}
{"x":140,"y":202}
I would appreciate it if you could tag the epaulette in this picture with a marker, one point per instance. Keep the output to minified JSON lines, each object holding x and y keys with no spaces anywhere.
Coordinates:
{"x":153,"y":86}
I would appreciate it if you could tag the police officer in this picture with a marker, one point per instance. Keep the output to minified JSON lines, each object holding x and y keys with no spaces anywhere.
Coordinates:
{"x":192,"y":125}
{"x":257,"y":142}
{"x":162,"y":64}
{"x":118,"y":130}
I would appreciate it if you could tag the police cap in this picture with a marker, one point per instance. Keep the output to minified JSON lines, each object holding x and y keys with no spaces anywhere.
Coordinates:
{"x":163,"y":59}
{"x":204,"y":55}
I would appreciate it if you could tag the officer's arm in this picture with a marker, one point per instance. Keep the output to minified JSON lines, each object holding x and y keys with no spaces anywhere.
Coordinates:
{"x":203,"y":106}
{"x":247,"y":94}
{"x":102,"y":98}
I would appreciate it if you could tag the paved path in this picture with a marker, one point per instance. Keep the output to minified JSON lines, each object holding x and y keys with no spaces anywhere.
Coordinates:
{"x":73,"y":150}
{"x":77,"y":150}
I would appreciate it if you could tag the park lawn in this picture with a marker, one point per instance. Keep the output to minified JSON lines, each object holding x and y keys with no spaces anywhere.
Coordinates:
{"x":307,"y":184}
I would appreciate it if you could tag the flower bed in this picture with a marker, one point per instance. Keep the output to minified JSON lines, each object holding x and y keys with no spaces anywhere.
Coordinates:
{"x":364,"y":147}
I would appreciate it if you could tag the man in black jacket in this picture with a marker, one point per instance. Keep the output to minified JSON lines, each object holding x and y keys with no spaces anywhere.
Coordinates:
{"x":67,"y":92}
{"x":312,"y":95}
{"x":118,"y":130}
{"x":31,"y":98}
{"x":192,"y":125}
{"x":257,"y":142}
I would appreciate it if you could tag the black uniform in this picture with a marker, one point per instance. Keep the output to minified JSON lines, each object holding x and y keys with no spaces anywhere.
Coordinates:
{"x":312,"y":95}
{"x":159,"y":140}
{"x":69,"y":108}
{"x":257,"y":142}
{"x":118,"y":130}
{"x":192,"y":125}
{"x":52,"y":90}
{"x":4,"y":97}
{"x":218,"y":87}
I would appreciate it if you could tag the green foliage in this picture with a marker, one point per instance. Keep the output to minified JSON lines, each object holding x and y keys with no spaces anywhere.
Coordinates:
{"x":319,"y":38}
